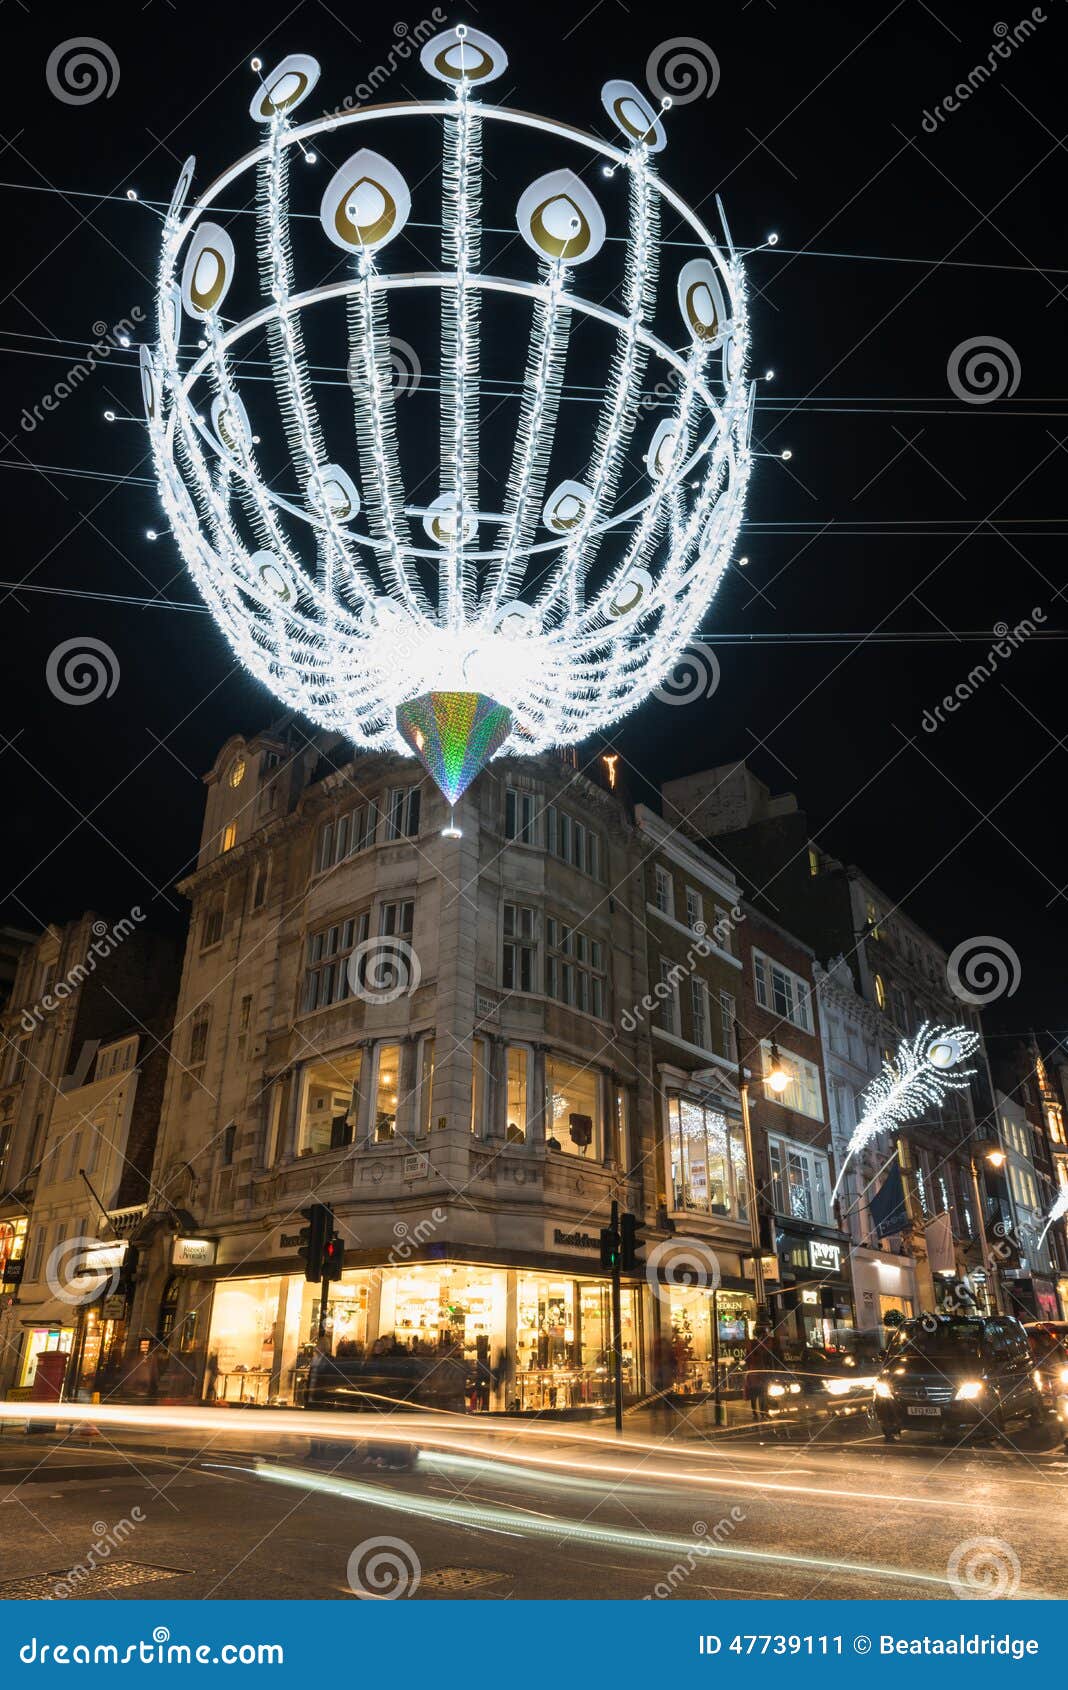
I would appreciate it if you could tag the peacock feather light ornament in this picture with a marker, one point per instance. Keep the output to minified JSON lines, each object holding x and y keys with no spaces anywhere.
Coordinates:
{"x":925,"y":1069}
{"x":539,"y":576}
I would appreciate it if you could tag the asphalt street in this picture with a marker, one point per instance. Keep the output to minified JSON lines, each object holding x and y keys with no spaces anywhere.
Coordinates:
{"x":499,"y":1511}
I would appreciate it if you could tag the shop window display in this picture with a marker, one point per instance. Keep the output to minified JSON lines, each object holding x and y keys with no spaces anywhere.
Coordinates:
{"x":688,"y":1368}
{"x":264,"y":1333}
{"x":453,"y":1311}
{"x":563,"y":1344}
{"x":40,"y":1342}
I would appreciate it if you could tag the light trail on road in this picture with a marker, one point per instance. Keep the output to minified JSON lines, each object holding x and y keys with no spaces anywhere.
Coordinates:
{"x":482,"y":1441}
{"x":523,"y":1524}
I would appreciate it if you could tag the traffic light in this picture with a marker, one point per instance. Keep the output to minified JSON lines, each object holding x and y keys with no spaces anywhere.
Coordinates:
{"x":313,"y":1239}
{"x":333,"y":1258}
{"x":630,"y":1242}
{"x":609,"y":1248}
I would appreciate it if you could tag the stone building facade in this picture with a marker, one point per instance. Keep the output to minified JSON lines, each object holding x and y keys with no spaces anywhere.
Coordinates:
{"x":426,"y":1033}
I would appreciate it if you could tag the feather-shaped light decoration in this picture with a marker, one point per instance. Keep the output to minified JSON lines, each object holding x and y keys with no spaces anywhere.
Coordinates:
{"x":346,"y":583}
{"x":924,"y":1070}
{"x":1059,"y":1209}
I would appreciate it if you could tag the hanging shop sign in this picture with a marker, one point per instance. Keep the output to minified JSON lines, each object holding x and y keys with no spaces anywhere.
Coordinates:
{"x":826,"y":1257}
{"x":98,"y":1260}
{"x":193,"y":1252}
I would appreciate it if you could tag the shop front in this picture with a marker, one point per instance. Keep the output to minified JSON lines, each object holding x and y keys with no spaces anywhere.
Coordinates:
{"x":38,"y":1341}
{"x":530,"y":1340}
{"x":1029,"y":1296}
{"x":813,"y":1302}
{"x":709,"y":1330}
{"x":883,"y":1285}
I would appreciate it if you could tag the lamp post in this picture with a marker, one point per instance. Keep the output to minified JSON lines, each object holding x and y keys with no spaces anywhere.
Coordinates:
{"x":995,"y":1156}
{"x":778,"y":1080}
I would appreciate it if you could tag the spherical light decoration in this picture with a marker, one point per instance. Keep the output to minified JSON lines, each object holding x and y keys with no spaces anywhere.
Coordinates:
{"x":540,"y":575}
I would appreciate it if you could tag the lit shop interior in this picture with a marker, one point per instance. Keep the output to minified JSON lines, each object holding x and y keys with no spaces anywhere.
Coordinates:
{"x":529,"y":1340}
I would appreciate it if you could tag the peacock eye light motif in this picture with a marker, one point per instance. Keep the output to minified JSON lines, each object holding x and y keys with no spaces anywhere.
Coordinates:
{"x":541,"y":581}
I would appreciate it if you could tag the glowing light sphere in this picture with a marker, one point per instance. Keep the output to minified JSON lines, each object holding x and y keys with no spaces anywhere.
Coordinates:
{"x":540,"y":577}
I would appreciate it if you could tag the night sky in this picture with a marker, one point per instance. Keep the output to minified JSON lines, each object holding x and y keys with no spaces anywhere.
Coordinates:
{"x":905,"y":509}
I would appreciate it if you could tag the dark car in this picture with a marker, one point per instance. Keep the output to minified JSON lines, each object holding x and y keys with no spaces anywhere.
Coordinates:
{"x":958,"y":1374}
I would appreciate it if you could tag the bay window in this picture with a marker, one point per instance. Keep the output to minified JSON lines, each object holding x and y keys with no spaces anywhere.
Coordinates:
{"x":707,"y":1167}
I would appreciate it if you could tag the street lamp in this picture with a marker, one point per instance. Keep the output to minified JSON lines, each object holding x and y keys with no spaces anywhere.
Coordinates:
{"x":777,"y":1077}
{"x":778,"y":1080}
{"x":994,"y":1156}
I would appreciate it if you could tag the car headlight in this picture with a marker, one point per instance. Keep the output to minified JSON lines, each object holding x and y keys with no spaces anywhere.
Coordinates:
{"x":776,"y":1390}
{"x":970,"y":1389}
{"x":795,"y":1390}
{"x":882,"y":1389}
{"x":838,"y":1387}
{"x":1064,"y":1375}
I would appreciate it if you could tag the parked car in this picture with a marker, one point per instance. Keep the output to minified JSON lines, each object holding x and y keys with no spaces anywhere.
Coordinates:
{"x":958,"y":1374}
{"x":1049,"y":1351}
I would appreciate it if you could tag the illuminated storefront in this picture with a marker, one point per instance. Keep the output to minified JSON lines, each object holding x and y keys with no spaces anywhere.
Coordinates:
{"x":530,"y":1341}
{"x":693,"y":1349}
{"x":41,"y":1340}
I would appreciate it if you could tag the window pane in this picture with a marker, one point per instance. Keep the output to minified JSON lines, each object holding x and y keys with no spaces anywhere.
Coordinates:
{"x":517,"y":1093}
{"x":573,"y":1100}
{"x":386,"y":1092}
{"x":426,"y":1087}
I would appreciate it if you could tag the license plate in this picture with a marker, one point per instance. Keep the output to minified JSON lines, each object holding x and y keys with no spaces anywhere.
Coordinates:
{"x":934,"y":1411}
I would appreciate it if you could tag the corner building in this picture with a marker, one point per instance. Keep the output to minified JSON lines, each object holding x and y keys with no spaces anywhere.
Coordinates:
{"x":422,"y":1032}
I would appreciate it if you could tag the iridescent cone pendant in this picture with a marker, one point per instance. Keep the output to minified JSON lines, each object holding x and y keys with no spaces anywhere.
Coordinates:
{"x":454,"y":735}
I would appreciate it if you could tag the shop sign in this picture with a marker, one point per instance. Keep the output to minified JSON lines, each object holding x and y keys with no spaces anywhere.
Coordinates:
{"x":417,"y":1165}
{"x":13,"y":1271}
{"x":193,"y":1252}
{"x":826,"y":1257}
{"x":770,"y":1264}
{"x":113,"y":1308}
{"x":101,"y":1259}
{"x":810,"y":1296}
{"x":576,"y":1240}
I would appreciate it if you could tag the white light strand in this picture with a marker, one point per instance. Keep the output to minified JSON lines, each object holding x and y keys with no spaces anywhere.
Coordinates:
{"x":916,"y":1080}
{"x":359,"y":633}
